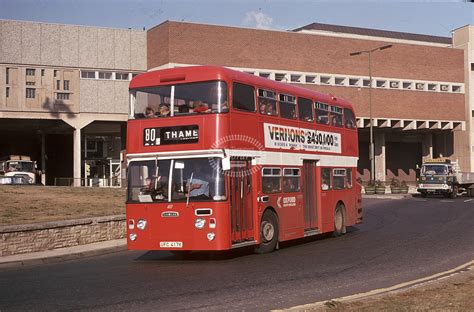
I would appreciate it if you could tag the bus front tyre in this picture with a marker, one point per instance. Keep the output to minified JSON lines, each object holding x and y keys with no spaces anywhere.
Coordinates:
{"x":268,"y":233}
{"x":339,"y":222}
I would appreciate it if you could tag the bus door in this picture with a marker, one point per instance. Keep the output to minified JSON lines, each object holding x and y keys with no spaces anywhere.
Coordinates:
{"x":241,"y":203}
{"x":310,"y":195}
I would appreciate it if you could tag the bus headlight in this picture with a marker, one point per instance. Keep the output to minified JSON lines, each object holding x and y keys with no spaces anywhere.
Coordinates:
{"x":141,"y":224}
{"x":199,"y":223}
{"x":133,"y":236}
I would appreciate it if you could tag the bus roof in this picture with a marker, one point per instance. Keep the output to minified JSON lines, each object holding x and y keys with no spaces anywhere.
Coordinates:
{"x":204,"y":73}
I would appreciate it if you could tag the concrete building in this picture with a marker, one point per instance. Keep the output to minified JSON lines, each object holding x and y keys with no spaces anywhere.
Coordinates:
{"x":463,"y":38}
{"x":417,"y":86}
{"x":64,"y":96}
{"x":64,"y":88}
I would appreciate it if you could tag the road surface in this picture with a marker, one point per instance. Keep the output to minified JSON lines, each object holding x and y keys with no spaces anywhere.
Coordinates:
{"x":400,"y":240}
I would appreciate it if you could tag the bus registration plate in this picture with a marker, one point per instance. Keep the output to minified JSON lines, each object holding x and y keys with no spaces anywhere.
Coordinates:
{"x":171,"y":244}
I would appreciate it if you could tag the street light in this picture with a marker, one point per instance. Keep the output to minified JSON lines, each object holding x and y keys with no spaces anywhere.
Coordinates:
{"x":371,"y":139}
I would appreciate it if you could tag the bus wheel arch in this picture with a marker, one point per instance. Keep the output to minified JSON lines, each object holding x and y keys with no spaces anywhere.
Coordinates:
{"x":339,"y":219}
{"x":269,"y":231}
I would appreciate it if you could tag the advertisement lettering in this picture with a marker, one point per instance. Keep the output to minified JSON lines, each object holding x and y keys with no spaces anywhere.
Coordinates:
{"x":277,"y":136}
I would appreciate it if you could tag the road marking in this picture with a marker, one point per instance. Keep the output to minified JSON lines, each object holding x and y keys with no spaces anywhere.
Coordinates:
{"x":447,"y":201}
{"x":468,"y":200}
{"x":437,"y":276}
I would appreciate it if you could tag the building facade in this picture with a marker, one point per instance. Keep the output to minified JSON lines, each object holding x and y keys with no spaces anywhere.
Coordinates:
{"x":417,"y":89}
{"x":64,"y":97}
{"x":64,"y":88}
{"x":463,"y":38}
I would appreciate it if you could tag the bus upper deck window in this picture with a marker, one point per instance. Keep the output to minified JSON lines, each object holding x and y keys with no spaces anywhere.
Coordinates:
{"x":201,"y":97}
{"x":287,"y":106}
{"x":336,"y":116}
{"x":305,"y":109}
{"x":349,"y":119}
{"x":267,"y":104}
{"x":322,"y":113}
{"x":243,"y":97}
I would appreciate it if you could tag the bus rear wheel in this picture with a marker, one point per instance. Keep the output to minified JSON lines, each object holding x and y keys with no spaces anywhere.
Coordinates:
{"x":339,"y":221}
{"x":268,"y":233}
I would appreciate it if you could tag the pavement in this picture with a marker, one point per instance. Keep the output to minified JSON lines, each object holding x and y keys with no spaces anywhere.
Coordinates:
{"x":62,"y":254}
{"x":76,"y":252}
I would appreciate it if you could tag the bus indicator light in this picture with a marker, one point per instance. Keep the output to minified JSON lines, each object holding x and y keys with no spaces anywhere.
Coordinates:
{"x":212,"y":223}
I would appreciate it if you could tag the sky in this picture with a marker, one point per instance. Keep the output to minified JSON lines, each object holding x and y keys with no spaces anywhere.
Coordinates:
{"x":433,"y":17}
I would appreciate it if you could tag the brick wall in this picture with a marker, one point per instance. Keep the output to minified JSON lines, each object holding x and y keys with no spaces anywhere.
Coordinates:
{"x":51,"y":235}
{"x":188,"y":43}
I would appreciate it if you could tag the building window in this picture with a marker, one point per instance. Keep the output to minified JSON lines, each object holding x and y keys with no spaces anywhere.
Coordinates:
{"x":88,"y":74}
{"x":58,"y":84}
{"x":62,"y":96}
{"x":7,"y":92}
{"x":121,"y":76}
{"x":66,"y":85}
{"x":30,"y":72}
{"x":42,"y":72}
{"x":55,"y":73}
{"x":8,"y":76}
{"x":30,"y":93}
{"x":105,"y":75}
{"x":30,"y":83}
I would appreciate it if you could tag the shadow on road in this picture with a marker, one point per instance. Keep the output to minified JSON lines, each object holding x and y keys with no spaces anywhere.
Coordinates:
{"x":158,"y":255}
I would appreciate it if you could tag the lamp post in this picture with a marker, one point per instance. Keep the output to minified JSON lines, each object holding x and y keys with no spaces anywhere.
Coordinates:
{"x":371,"y":130}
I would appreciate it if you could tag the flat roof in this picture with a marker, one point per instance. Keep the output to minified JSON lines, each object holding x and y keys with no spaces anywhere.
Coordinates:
{"x":374,"y":33}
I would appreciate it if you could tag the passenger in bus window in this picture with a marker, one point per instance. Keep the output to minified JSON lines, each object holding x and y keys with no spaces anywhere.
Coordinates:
{"x":164,"y":111}
{"x":200,"y":107}
{"x":271,"y":109}
{"x":263,"y":107}
{"x":199,"y":185}
{"x":293,"y":113}
{"x":307,"y":117}
{"x":350,"y":124}
{"x":149,"y":112}
{"x":336,"y":120}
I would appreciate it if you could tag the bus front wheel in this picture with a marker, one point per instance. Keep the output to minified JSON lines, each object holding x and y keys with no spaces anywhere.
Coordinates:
{"x":268,"y":233}
{"x":339,"y":222}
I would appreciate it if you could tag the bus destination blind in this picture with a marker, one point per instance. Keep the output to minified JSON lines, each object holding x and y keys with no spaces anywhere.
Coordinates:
{"x":170,"y":135}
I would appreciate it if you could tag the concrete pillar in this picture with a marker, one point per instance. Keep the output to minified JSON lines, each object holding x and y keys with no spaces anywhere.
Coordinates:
{"x":77,"y":157}
{"x":43,"y":158}
{"x":379,"y":151}
{"x":427,"y":145}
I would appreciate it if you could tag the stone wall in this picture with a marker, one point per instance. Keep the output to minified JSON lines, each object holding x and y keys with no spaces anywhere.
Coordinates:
{"x":18,"y":239}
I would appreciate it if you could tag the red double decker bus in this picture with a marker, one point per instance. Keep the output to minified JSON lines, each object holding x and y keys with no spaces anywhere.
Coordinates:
{"x":219,"y":159}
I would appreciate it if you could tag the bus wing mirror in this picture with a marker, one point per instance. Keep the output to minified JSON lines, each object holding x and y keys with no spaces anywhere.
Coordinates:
{"x":226,"y":163}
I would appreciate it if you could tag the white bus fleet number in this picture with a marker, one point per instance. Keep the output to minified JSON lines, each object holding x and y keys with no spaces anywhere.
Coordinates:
{"x":150,"y":135}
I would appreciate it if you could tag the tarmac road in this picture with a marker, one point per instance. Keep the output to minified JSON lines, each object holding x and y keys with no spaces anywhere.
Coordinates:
{"x":400,"y":240}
